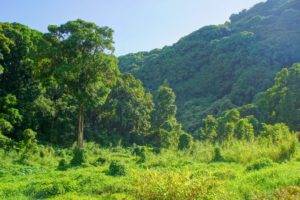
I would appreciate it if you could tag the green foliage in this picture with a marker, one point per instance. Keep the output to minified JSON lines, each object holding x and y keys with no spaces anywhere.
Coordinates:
{"x":259,"y":164}
{"x":5,"y":142}
{"x":100,"y":161}
{"x":290,"y":192}
{"x":9,"y":114}
{"x":46,"y":78}
{"x":168,"y":175}
{"x":287,"y":151}
{"x":220,"y":67}
{"x":139,"y":151}
{"x":209,"y":130}
{"x":244,"y":130}
{"x":62,"y":164}
{"x":173,"y":185}
{"x":83,"y":64}
{"x":217,"y":157}
{"x":29,"y":142}
{"x":127,"y":110}
{"x":280,"y":103}
{"x":276,"y":132}
{"x":19,"y":57}
{"x":165,"y":128}
{"x":185,"y":141}
{"x":165,"y":108}
{"x":79,"y":157}
{"x":116,"y":169}
{"x":29,"y":136}
{"x":48,"y":189}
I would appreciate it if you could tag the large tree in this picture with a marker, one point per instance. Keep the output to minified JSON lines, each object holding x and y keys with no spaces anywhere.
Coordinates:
{"x":82,"y":62}
{"x":128,"y":110}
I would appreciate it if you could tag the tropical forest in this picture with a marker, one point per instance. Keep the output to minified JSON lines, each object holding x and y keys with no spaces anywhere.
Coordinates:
{"x":214,"y":116}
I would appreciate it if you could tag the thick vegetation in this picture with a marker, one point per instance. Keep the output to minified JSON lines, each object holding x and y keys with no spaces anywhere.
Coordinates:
{"x":246,"y":171}
{"x":72,"y":126}
{"x":220,"y":67}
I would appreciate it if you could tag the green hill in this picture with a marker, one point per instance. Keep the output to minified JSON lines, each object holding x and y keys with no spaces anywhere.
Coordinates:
{"x":223,"y":66}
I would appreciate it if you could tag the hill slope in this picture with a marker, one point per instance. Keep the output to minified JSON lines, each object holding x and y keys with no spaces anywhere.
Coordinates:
{"x":223,"y":66}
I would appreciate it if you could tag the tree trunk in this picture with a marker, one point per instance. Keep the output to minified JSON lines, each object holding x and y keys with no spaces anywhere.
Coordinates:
{"x":80,"y":127}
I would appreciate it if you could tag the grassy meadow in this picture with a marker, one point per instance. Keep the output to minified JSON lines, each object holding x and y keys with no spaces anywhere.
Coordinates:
{"x":233,"y":170}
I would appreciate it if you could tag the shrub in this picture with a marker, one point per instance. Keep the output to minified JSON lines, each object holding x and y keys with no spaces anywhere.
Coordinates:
{"x":140,"y":152}
{"x":185,"y":141}
{"x":78,"y":157}
{"x":24,"y":158}
{"x":244,"y":130}
{"x":286,"y":151}
{"x":100,"y":161}
{"x":259,"y":164}
{"x":43,"y":153}
{"x":62,"y":165}
{"x":217,"y":155}
{"x":5,"y":142}
{"x":276,"y":132}
{"x":29,"y":140}
{"x":116,"y":169}
{"x":29,"y":136}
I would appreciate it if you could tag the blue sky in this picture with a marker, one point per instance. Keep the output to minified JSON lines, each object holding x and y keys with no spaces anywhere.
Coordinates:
{"x":138,"y":24}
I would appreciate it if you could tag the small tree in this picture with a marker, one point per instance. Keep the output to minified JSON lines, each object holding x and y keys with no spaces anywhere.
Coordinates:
{"x":185,"y":141}
{"x":165,"y":107}
{"x":164,"y":123}
{"x":210,"y":127}
{"x":244,"y":130}
{"x":28,"y":144}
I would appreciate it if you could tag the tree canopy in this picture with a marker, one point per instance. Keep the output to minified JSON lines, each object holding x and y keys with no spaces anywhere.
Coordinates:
{"x":217,"y":68}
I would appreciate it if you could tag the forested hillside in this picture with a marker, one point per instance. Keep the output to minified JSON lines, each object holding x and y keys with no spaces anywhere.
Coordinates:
{"x":75,"y":126}
{"x":223,"y":66}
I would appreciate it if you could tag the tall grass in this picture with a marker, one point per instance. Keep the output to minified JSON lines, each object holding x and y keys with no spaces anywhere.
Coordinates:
{"x":248,"y":170}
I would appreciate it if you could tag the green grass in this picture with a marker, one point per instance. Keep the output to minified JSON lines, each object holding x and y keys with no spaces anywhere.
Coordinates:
{"x":169,"y":175}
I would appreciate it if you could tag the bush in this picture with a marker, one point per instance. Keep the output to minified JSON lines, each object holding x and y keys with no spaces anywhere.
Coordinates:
{"x":140,"y":152}
{"x":29,"y":140}
{"x":62,"y":165}
{"x":217,"y":155}
{"x":42,"y":153}
{"x":185,"y":141}
{"x":100,"y":161}
{"x":78,"y":157}
{"x":259,"y":164}
{"x":29,"y":136}
{"x":5,"y":142}
{"x":116,"y":169}
{"x":276,"y":132}
{"x":286,"y":151}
